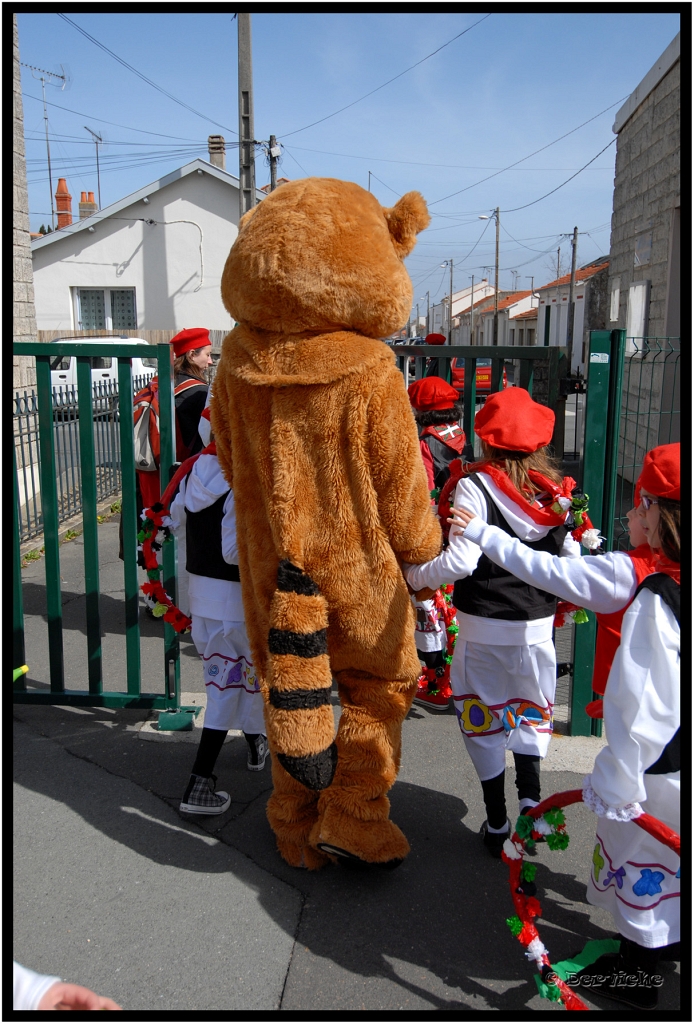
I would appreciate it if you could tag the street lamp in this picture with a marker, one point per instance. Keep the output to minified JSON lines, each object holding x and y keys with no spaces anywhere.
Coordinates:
{"x":421,"y":299}
{"x":495,"y":339}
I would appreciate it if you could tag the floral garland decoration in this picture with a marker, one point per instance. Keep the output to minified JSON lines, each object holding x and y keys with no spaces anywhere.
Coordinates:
{"x":156,"y":531}
{"x":546,"y":821}
{"x":443,"y":601}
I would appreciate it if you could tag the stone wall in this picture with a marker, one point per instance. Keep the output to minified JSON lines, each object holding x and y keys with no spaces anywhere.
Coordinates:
{"x":647,"y":188}
{"x":24,"y":315}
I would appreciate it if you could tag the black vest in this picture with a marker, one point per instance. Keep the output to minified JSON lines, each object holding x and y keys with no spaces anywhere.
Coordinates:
{"x":493,"y":593}
{"x":669,"y":593}
{"x":204,"y":543}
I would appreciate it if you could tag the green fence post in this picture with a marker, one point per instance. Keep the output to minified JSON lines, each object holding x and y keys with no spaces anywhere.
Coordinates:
{"x":618,"y":346}
{"x":90,"y":525}
{"x":596,"y":414}
{"x":167,"y":457}
{"x":130,"y":522}
{"x":49,"y":507}
{"x":18,"y":653}
{"x":527,"y":371}
{"x":469,"y":399}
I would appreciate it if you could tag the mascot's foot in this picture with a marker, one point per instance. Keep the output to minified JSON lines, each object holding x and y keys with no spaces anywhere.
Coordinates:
{"x":356,"y":843}
{"x":302,"y":856}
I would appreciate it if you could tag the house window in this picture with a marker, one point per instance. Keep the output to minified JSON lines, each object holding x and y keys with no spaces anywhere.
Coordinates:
{"x":520,"y":335}
{"x":105,"y":309}
{"x":548,"y":317}
{"x":513,"y":334}
{"x":531,"y":336}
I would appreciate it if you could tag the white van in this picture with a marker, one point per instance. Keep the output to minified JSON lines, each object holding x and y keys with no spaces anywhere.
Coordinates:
{"x":104,"y":371}
{"x":104,"y":368}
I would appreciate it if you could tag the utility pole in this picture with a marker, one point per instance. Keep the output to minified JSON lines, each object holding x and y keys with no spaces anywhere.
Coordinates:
{"x":450,"y":310}
{"x":418,"y":319}
{"x":572,"y":283}
{"x":496,"y":283}
{"x":274,"y":153}
{"x":246,"y":130}
{"x":472,"y":308}
{"x":422,"y":300}
{"x":97,"y":141}
{"x":369,"y":181}
{"x":558,"y":262}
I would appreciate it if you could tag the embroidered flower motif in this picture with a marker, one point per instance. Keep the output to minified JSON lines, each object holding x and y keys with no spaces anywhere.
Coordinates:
{"x":213,"y":670}
{"x":524,"y":714}
{"x":235,"y":674}
{"x":618,"y":876}
{"x":475,"y":716}
{"x":649,"y":883}
{"x":598,"y":862}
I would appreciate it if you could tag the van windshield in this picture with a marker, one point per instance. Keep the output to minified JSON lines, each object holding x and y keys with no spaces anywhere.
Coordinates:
{"x":149,"y":361}
{"x":60,"y":363}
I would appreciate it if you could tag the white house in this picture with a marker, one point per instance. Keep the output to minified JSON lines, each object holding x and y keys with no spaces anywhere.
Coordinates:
{"x":152,"y":261}
{"x":590,"y":309}
{"x":438,"y":314}
{"x":510,"y":306}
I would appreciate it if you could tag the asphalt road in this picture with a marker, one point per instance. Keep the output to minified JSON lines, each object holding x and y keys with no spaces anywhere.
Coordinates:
{"x":116,"y":890}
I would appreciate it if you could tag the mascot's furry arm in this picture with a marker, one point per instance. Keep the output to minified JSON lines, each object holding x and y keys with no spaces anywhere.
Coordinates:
{"x":398,"y":474}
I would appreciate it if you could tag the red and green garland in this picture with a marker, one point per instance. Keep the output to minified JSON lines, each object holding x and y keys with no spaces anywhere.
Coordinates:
{"x":547,"y":821}
{"x":156,"y":530}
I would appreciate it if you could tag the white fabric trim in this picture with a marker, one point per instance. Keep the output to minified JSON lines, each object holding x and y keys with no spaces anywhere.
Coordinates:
{"x":599,"y":807}
{"x":504,"y":632}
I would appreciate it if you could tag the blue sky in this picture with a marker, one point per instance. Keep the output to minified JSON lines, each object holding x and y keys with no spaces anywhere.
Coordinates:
{"x":510,"y":85}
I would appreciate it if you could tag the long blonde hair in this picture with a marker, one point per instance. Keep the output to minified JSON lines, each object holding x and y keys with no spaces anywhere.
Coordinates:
{"x":181,"y":365}
{"x":516,"y":465}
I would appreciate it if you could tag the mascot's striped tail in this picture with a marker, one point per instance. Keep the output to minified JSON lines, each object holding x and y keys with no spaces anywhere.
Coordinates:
{"x":301,"y":727}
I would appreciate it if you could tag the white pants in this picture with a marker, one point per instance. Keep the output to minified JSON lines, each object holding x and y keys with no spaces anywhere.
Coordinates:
{"x":234,"y":700}
{"x":635,"y":876}
{"x":429,"y":633}
{"x":504,"y":700}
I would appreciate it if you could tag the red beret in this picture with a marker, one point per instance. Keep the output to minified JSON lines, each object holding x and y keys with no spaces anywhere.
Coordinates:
{"x":661,"y":472}
{"x":511,"y":420}
{"x":192,"y":337}
{"x":432,"y":393}
{"x":435,"y":339}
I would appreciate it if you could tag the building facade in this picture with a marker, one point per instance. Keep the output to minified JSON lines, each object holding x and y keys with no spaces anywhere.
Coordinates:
{"x":152,"y":261}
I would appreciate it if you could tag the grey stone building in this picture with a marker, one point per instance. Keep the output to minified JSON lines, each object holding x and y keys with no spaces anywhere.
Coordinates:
{"x":645,"y":239}
{"x":644,"y":274}
{"x":24,"y":315}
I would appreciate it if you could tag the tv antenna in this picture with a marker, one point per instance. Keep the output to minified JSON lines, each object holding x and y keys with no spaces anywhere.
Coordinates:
{"x":42,"y":76}
{"x":98,"y":140}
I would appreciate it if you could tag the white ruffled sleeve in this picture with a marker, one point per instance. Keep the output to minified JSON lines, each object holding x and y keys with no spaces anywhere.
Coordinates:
{"x":641,"y":703}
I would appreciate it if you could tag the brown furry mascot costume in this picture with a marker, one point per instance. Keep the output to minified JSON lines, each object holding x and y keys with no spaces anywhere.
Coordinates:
{"x":316,"y":436}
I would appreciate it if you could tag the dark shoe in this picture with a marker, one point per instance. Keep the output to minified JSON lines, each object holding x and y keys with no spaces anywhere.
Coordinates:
{"x":494,"y":841}
{"x":612,"y":977}
{"x":257,"y":751}
{"x":200,"y":797}
{"x":350,"y":860}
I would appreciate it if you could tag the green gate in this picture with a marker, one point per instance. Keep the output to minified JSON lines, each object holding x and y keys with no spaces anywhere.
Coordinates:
{"x":95,"y":696}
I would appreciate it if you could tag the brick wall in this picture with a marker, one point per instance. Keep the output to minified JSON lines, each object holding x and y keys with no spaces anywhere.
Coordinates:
{"x":24,"y":315}
{"x":647,"y":188}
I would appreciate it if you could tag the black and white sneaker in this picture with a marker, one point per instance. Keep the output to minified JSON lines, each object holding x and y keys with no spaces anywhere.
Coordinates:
{"x":494,"y":841}
{"x":200,"y":797}
{"x":257,"y":751}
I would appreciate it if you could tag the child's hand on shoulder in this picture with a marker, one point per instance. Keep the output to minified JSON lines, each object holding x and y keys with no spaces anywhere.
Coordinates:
{"x":461,"y":518}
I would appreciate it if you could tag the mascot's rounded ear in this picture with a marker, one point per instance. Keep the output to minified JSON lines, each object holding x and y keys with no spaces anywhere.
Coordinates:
{"x":405,"y":220}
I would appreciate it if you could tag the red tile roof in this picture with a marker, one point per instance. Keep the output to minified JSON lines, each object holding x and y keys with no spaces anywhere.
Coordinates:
{"x":581,"y":275}
{"x":530,"y":314}
{"x":510,"y":300}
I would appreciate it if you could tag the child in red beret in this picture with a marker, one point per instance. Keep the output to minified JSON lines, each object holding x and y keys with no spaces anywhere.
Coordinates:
{"x":438,"y":411}
{"x":503,"y":673}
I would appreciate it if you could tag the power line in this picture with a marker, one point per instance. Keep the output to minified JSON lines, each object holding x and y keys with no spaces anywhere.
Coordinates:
{"x":384,"y":84}
{"x":566,"y":135}
{"x":528,"y":247}
{"x":80,"y":113}
{"x":144,"y":77}
{"x":398,"y":194}
{"x":516,"y":208}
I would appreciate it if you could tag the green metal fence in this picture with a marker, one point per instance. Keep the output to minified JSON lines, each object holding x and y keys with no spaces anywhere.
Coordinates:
{"x":95,"y":695}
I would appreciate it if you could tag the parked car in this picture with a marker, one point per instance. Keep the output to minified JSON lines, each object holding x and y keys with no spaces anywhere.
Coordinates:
{"x":483,"y":374}
{"x":104,"y":371}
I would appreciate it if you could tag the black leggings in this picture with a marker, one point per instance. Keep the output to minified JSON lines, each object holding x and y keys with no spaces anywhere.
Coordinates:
{"x":527,"y":784}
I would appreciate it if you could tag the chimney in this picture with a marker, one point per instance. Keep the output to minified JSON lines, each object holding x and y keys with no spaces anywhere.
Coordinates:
{"x":216,"y":149}
{"x":63,"y":204}
{"x":87,"y":205}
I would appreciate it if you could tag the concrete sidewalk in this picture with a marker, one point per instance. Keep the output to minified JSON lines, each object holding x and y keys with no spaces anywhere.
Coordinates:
{"x":117,"y":891}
